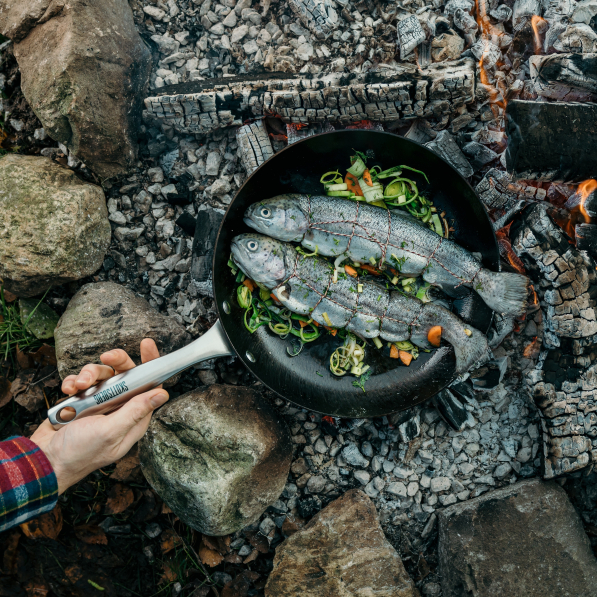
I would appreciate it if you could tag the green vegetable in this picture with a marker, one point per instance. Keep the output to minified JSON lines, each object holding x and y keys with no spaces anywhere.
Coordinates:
{"x":358,"y":167}
{"x":243,"y":294}
{"x":360,"y":383}
{"x":331,"y":177}
{"x":337,"y":187}
{"x":437,"y":224}
{"x":339,"y":193}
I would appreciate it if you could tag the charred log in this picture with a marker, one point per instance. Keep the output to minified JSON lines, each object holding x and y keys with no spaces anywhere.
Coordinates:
{"x":565,"y":77}
{"x":564,"y":382}
{"x":402,"y":93}
{"x":504,"y":197}
{"x":551,"y":141}
{"x":254,"y":145}
{"x":586,"y":238}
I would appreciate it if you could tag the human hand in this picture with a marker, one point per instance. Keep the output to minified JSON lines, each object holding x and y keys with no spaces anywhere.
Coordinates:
{"x":87,"y":444}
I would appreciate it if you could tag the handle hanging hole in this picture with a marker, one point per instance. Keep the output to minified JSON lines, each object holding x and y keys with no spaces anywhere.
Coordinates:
{"x":68,"y":413}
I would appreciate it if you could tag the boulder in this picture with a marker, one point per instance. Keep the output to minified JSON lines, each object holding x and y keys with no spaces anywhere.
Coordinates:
{"x":218,"y":457}
{"x":104,"y":316}
{"x":525,"y":540}
{"x":341,"y":551}
{"x":84,"y":71}
{"x":54,"y":227}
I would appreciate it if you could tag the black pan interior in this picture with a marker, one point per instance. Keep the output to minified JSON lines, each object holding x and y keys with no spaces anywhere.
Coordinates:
{"x":306,"y":379}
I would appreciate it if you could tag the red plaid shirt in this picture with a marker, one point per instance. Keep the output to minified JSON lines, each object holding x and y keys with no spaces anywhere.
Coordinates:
{"x":28,"y":485}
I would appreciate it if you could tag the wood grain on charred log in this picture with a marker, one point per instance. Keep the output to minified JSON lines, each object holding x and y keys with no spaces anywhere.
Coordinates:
{"x":564,"y":382}
{"x":565,"y":77}
{"x":551,"y":141}
{"x":402,"y":93}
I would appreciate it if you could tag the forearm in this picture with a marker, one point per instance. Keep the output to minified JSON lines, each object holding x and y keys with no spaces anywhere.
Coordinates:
{"x":28,"y":485}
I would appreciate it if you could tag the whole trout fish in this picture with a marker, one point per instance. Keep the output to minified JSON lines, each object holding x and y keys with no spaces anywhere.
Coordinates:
{"x":304,"y":285}
{"x":335,"y":227}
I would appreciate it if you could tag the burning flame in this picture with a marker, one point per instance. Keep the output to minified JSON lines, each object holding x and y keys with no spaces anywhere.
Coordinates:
{"x":506,"y":250}
{"x":535,"y":20}
{"x":576,"y":214}
{"x":585,"y":189}
{"x":532,"y":350}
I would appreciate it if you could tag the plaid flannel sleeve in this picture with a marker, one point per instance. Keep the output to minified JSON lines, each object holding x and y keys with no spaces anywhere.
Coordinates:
{"x":28,"y":485}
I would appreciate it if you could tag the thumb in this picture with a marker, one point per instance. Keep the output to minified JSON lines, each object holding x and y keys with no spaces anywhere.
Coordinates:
{"x":136,"y":410}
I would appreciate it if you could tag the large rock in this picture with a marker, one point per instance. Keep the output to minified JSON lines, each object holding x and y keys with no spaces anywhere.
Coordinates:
{"x":54,"y":227}
{"x":218,"y":457}
{"x":522,"y":541}
{"x":84,"y":70}
{"x":104,"y":316}
{"x":343,"y":552}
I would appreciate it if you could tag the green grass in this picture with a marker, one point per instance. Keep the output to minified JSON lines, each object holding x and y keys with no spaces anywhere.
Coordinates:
{"x":14,"y":332}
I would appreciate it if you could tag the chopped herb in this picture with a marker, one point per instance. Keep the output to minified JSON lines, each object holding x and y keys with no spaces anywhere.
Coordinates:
{"x":320,"y":375}
{"x":360,"y":382}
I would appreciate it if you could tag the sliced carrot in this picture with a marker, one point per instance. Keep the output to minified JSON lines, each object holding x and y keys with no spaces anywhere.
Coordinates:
{"x":350,"y":271}
{"x":302,"y":323}
{"x":353,"y":184}
{"x":394,"y":352}
{"x":367,"y":178}
{"x":315,"y":324}
{"x":406,"y":357}
{"x":371,"y":269}
{"x":394,"y":272}
{"x":250,"y":284}
{"x":275,"y":297}
{"x":434,"y":335}
{"x":332,"y":331}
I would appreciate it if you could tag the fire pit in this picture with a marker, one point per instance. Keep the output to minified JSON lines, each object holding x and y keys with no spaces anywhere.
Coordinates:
{"x":504,"y":92}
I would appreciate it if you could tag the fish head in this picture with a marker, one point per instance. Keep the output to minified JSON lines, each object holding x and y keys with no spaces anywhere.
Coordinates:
{"x":261,"y":258}
{"x":280,"y":217}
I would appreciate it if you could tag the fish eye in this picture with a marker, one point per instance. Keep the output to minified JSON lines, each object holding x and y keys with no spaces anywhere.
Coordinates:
{"x":252,"y":245}
{"x":266,"y":212}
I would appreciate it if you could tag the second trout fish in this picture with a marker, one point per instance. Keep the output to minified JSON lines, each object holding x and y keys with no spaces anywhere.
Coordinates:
{"x":336,"y":227}
{"x":304,"y":285}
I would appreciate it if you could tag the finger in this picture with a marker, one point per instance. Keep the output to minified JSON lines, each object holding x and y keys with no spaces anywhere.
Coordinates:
{"x":149,"y":350}
{"x":91,"y":374}
{"x":135,"y":411}
{"x":118,"y":359}
{"x":68,"y":385}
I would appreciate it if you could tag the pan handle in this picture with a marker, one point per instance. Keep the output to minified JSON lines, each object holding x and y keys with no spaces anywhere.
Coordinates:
{"x":112,"y":393}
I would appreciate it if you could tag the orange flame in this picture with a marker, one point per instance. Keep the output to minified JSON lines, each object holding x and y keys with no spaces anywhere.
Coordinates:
{"x":532,"y":350}
{"x":585,"y":189}
{"x":535,"y":20}
{"x":360,"y":124}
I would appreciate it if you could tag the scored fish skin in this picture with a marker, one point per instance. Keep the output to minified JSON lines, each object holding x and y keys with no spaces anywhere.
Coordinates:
{"x":335,"y":226}
{"x":306,"y":287}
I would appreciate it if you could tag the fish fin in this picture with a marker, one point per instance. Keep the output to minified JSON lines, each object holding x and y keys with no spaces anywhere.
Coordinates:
{"x":504,"y":292}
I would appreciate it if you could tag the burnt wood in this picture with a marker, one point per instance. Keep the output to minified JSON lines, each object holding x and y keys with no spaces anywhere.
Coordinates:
{"x":306,"y":379}
{"x":565,"y":77}
{"x":586,"y":238}
{"x":553,"y":142}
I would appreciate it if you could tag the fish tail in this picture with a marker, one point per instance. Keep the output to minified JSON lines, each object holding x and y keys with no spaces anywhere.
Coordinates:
{"x":470,"y":345}
{"x":504,"y":292}
{"x":470,"y":349}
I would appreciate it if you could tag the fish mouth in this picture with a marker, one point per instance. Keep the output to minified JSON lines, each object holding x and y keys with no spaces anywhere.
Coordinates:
{"x":248,"y":221}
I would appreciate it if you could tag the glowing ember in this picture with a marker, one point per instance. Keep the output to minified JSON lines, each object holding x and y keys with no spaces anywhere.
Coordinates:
{"x":585,"y":189}
{"x":532,"y":350}
{"x":536,"y":23}
{"x":361,"y":124}
{"x":506,"y":250}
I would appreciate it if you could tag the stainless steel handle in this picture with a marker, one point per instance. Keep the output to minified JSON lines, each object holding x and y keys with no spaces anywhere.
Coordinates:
{"x":112,"y":393}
